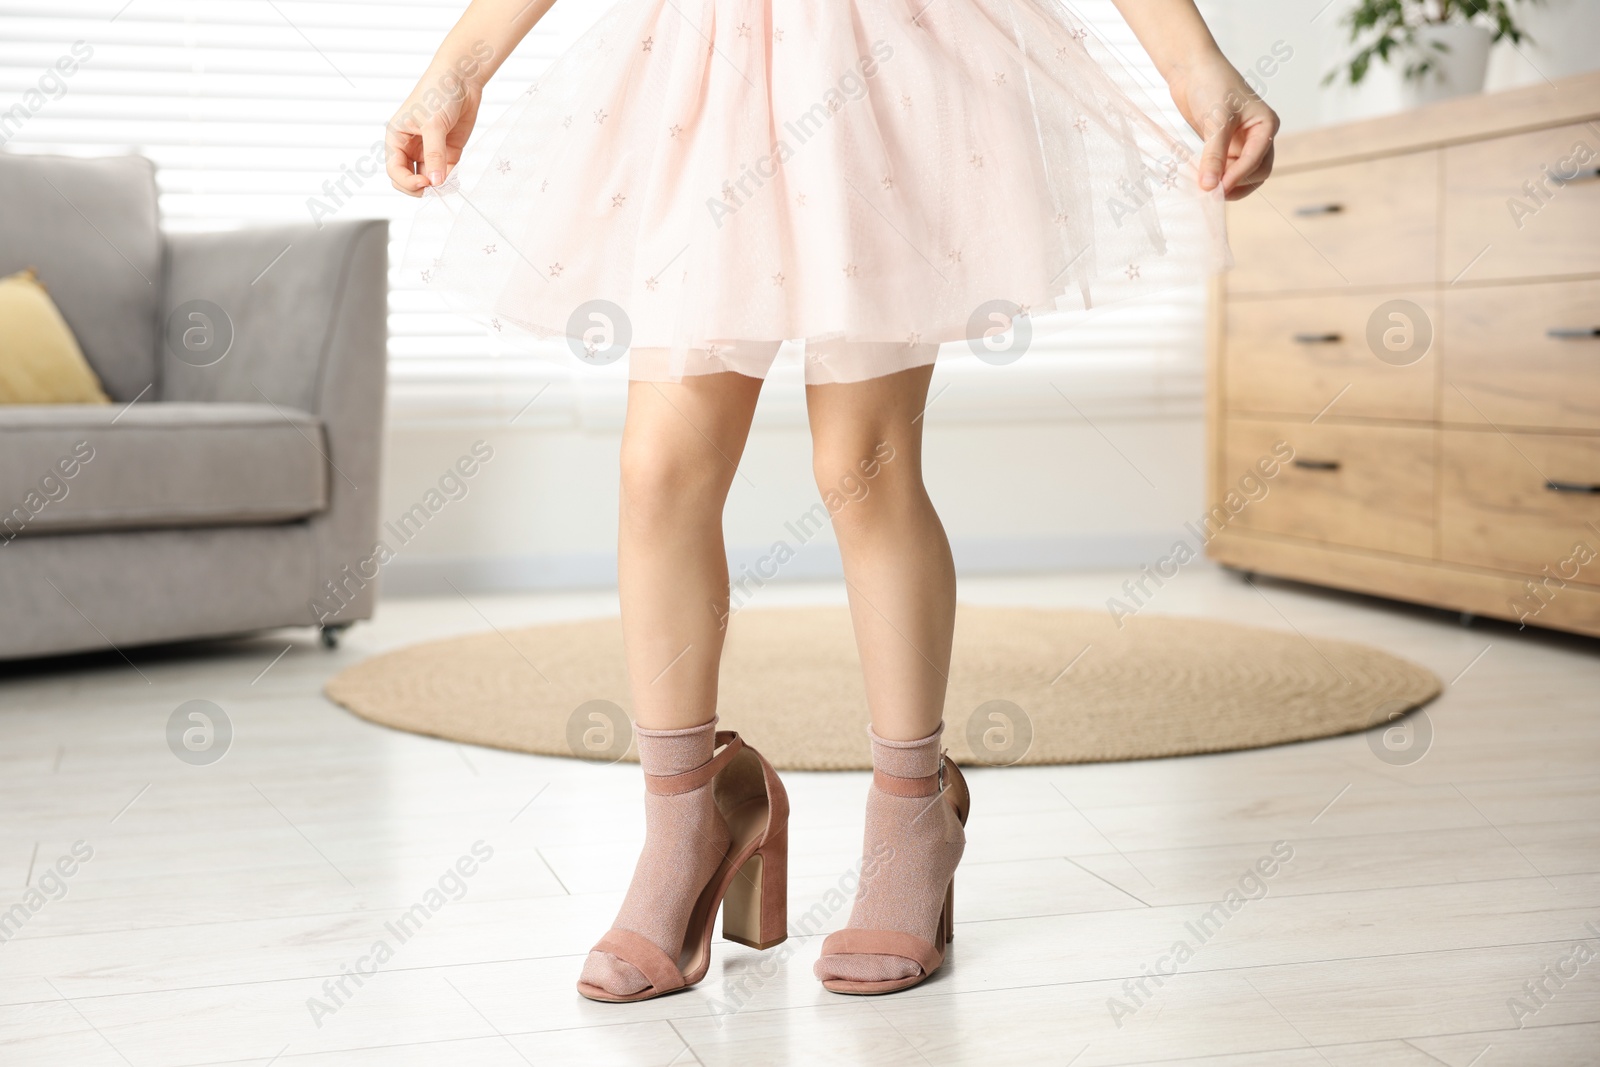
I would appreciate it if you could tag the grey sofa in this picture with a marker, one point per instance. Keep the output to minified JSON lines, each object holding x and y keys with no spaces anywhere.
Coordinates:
{"x":232,"y":486}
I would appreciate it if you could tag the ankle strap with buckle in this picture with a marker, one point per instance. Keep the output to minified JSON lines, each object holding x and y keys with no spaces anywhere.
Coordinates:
{"x":670,"y":784}
{"x":911,"y":787}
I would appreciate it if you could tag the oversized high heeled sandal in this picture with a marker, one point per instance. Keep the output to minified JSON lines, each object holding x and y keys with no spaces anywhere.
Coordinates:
{"x":750,"y":885}
{"x":950,"y":787}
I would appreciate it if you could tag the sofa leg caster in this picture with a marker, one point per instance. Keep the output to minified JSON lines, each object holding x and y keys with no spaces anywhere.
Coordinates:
{"x":331,"y":634}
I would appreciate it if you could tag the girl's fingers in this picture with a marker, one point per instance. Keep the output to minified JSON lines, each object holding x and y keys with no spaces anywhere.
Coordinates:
{"x":402,"y":177}
{"x":435,"y":133}
{"x":1246,"y":186}
{"x":1257,"y":143}
{"x":1215,"y":156}
{"x":399,"y":160}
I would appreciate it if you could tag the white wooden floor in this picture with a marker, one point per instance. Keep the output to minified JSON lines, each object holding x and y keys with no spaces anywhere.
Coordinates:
{"x":1420,"y":902}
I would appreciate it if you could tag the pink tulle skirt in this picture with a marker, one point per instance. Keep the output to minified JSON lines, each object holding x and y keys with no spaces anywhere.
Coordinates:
{"x":697,"y":180}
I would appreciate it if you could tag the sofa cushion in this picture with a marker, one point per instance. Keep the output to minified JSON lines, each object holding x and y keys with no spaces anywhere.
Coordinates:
{"x":88,"y":227}
{"x":40,"y":361}
{"x":71,"y":468}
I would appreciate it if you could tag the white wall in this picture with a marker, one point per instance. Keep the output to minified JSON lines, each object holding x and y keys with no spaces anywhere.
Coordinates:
{"x":1023,"y":480}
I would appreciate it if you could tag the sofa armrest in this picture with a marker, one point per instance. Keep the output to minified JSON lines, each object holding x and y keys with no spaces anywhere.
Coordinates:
{"x":295,"y":316}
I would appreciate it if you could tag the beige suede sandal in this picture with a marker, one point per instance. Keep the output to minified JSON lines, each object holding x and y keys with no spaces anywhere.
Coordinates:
{"x":950,"y":787}
{"x":750,"y":885}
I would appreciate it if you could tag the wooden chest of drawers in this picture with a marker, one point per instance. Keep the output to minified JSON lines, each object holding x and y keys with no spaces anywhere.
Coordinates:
{"x":1415,"y":311}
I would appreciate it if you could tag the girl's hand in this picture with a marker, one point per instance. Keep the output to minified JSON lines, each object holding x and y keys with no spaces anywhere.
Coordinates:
{"x":426,"y":136}
{"x":1237,"y":125}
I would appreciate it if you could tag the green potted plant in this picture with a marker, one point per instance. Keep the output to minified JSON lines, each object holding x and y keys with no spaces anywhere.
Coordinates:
{"x":1442,"y":44}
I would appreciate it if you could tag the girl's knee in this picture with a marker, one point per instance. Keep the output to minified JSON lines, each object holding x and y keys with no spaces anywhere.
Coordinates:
{"x":661,"y":481}
{"x":848,"y":469}
{"x":867,"y":483}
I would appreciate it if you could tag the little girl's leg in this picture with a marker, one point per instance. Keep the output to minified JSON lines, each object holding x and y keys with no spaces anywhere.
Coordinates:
{"x":867,"y":439}
{"x":680,"y":446}
{"x":867,"y":460}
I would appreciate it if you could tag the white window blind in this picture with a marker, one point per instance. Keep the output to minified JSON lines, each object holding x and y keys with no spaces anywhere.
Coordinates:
{"x":255,"y":110}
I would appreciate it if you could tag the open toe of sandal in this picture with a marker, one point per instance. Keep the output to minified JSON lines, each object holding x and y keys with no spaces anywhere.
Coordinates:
{"x":927,"y":956}
{"x":642,"y":954}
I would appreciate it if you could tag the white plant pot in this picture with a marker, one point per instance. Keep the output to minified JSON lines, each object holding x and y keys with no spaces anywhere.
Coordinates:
{"x":1456,"y":72}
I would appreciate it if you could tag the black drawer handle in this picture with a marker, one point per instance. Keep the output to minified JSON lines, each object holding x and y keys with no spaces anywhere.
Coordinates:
{"x":1571,"y":487}
{"x":1307,"y":210}
{"x":1318,"y":338}
{"x":1317,"y":464}
{"x":1570,"y":333}
{"x":1587,"y":174}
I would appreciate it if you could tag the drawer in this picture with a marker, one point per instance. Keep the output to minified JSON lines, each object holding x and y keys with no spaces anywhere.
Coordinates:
{"x":1296,"y":354}
{"x":1503,"y":367}
{"x":1361,"y":486}
{"x":1508,"y":213}
{"x":1496,"y":509}
{"x":1372,"y":223}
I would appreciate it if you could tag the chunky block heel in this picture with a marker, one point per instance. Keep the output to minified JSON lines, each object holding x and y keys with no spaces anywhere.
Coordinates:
{"x":756,"y":910}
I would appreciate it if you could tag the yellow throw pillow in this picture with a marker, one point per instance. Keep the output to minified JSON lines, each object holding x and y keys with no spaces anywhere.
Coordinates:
{"x":40,"y":361}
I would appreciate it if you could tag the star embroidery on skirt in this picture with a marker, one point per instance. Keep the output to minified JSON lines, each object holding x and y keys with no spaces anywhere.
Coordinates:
{"x":504,"y":166}
{"x":488,"y":250}
{"x":905,"y":102}
{"x":1061,"y":53}
{"x":1079,"y":33}
{"x":618,"y":200}
{"x":727,"y":192}
{"x":556,"y":269}
{"x":496,"y":324}
{"x":600,"y":116}
{"x":1132,"y":272}
{"x":566,"y":122}
{"x":976,"y":160}
{"x":714,"y":351}
{"x":850,"y":270}
{"x":743,"y":30}
{"x":427,"y":276}
{"x":914,"y":339}
{"x":1171,"y":179}
{"x":800,"y":198}
{"x":888,"y":182}
{"x":651,"y":283}
{"x":999,"y":77}
{"x":647,"y":44}
{"x":1022,"y":311}
{"x":777,"y":35}
{"x":674,"y":130}
{"x":1080,"y":123}
{"x":544,"y":185}
{"x":954,"y":256}
{"x":777,"y":279}
{"x":1061,"y":218}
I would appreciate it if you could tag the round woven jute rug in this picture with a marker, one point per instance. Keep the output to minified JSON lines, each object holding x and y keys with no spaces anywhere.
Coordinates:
{"x":1027,"y":686}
